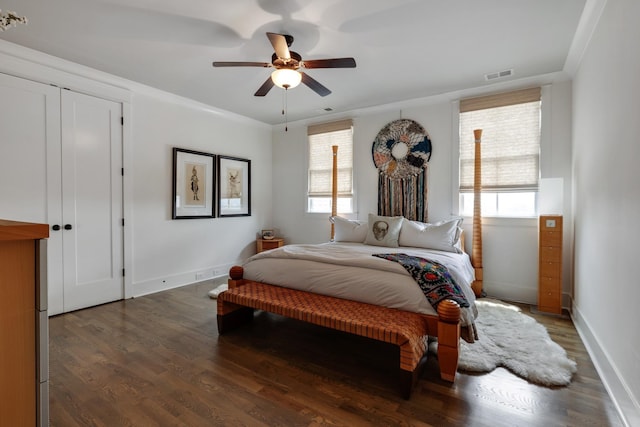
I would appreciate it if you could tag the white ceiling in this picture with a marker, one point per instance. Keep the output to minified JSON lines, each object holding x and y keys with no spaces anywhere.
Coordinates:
{"x":404,"y":49}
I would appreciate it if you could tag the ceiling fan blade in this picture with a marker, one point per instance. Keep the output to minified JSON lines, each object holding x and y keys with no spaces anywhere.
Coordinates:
{"x":240,"y":64}
{"x":279,"y":43}
{"x":315,"y":85}
{"x":330,"y":63}
{"x":265,"y":88}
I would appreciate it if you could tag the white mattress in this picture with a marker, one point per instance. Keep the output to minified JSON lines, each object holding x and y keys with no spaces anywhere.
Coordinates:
{"x":347,"y":270}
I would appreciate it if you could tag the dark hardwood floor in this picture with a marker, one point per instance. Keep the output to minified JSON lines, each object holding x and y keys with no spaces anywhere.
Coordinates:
{"x":158,"y":361}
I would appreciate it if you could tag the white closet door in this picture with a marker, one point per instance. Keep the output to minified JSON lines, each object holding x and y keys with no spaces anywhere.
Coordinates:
{"x":30,"y":171}
{"x":91,"y":200}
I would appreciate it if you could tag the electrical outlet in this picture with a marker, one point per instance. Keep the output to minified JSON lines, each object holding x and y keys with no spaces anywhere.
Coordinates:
{"x":551,"y":223}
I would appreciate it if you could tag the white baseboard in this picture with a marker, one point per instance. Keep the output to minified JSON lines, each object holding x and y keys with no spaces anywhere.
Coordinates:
{"x":514,"y":292}
{"x":627,"y":406}
{"x":175,"y":281}
{"x":511,"y":292}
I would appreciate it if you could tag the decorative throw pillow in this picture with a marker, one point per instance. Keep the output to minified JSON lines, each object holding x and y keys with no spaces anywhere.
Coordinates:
{"x":348,"y":230}
{"x":442,"y":236}
{"x":384,"y":230}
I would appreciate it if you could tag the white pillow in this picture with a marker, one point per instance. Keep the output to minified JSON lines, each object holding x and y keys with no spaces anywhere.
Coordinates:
{"x":442,"y":236}
{"x":459,"y":240}
{"x":384,"y":230}
{"x":348,"y":230}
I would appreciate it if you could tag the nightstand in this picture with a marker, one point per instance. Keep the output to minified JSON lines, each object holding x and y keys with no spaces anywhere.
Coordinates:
{"x":264,"y":244}
{"x":550,"y":264}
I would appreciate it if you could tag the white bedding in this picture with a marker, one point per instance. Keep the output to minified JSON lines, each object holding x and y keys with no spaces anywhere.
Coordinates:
{"x":347,"y":270}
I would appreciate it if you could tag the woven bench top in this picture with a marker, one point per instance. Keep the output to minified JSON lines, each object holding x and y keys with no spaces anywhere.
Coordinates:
{"x":405,"y":329}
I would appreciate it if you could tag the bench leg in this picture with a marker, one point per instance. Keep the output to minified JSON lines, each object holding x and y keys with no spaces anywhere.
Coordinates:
{"x":408,"y":379}
{"x":234,"y":319}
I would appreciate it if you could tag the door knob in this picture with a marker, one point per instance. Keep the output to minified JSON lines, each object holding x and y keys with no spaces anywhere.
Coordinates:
{"x":68,"y":227}
{"x":56,"y":227}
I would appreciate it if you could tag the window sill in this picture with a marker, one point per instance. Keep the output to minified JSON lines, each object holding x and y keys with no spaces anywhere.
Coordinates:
{"x":322,"y":215}
{"x":504,"y":221}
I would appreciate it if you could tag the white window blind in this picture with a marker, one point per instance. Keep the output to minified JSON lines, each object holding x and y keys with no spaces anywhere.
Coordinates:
{"x":510,"y":144}
{"x":321,"y":138}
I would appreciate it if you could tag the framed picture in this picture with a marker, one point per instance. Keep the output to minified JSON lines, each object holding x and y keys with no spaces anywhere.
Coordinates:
{"x":268,"y":234}
{"x":193,"y":184}
{"x":234,"y":186}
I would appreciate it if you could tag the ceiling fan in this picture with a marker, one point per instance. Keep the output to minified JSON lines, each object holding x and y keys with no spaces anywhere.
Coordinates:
{"x":288,"y":65}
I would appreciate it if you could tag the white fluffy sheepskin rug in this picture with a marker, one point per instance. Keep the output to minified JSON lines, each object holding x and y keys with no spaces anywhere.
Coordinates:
{"x":517,"y":342}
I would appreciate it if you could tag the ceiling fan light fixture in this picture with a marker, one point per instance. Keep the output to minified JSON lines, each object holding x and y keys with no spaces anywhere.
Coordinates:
{"x":286,"y":78}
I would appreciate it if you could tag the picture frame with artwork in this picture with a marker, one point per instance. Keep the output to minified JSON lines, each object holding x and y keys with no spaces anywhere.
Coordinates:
{"x":268,"y":234}
{"x":194,"y":174}
{"x":234,"y":186}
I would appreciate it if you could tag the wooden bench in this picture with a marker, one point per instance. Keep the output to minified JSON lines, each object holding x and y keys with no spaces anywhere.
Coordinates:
{"x":407,"y":330}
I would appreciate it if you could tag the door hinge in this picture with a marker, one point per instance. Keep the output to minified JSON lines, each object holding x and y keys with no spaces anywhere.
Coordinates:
{"x":123,"y":272}
{"x":122,"y":171}
{"x":123,"y":222}
{"x":122,"y":120}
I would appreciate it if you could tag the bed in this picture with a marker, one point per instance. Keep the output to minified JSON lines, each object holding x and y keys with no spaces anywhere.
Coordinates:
{"x":344,"y":284}
{"x":349,"y":284}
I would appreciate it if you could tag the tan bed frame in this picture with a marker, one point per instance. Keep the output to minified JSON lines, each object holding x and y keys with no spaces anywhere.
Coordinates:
{"x":409,"y":331}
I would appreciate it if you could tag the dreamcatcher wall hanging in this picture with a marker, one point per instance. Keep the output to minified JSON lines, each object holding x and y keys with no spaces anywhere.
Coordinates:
{"x":401,"y":152}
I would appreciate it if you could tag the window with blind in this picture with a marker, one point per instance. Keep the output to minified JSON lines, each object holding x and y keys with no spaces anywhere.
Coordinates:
{"x":510,"y":147}
{"x":322,"y":138}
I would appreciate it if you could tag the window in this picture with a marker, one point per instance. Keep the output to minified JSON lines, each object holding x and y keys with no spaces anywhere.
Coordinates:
{"x":510,"y":147}
{"x":321,"y":140}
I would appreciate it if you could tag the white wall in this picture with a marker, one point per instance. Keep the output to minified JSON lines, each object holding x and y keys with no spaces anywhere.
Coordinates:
{"x":509,"y":245}
{"x":606,"y":150}
{"x":170,"y":252}
{"x":290,"y":179}
{"x":161,"y":253}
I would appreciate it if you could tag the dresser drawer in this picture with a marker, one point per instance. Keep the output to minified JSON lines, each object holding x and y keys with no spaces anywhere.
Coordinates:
{"x":266,"y":244}
{"x":550,"y":223}
{"x":550,"y":253}
{"x":550,"y":269}
{"x":550,"y":301}
{"x":550,"y":238}
{"x":270,"y":244}
{"x":549,"y":284}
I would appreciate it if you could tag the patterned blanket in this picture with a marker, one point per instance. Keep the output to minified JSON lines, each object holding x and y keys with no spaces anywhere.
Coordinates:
{"x":433,"y":278}
{"x":436,"y":283}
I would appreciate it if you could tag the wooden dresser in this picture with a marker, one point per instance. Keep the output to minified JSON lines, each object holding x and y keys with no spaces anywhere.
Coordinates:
{"x":550,"y":264}
{"x":24,"y":372}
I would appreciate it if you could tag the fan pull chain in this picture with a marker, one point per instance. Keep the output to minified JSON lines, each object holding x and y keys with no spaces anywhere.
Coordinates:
{"x":284,"y":108}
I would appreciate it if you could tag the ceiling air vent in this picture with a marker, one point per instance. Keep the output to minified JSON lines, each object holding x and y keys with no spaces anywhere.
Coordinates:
{"x":498,"y":75}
